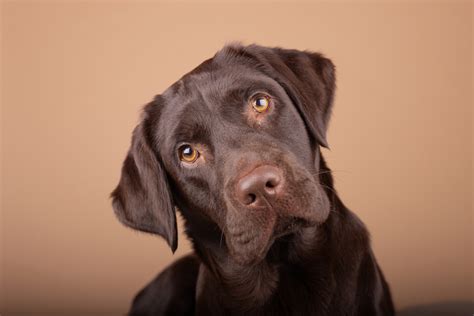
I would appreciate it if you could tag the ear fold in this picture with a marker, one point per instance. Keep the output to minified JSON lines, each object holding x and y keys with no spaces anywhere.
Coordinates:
{"x":142,"y":199}
{"x":308,"y":78}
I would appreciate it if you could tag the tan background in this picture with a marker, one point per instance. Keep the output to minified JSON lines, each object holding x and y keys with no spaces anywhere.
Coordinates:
{"x":76,"y":75}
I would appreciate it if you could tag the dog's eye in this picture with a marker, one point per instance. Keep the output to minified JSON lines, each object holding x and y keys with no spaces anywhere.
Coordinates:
{"x":188,"y":154}
{"x":260,"y":103}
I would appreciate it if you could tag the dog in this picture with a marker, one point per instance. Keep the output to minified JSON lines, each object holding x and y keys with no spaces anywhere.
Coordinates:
{"x":235,"y":147}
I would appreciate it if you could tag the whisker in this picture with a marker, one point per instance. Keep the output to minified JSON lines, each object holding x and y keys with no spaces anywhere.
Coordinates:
{"x":220,"y":241}
{"x":327,"y":187}
{"x":322,"y":172}
{"x":332,"y":171}
{"x":339,"y":214}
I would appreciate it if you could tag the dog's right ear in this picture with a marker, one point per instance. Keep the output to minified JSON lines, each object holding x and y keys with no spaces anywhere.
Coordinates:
{"x":142,"y":199}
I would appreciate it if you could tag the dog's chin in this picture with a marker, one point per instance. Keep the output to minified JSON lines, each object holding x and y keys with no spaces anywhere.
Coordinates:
{"x":254,"y":250}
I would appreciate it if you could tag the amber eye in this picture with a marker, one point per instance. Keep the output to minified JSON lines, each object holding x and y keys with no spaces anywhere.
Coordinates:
{"x":188,"y":154}
{"x":261,"y":103}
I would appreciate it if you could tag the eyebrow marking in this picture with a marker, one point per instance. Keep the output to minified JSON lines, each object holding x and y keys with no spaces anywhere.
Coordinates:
{"x":191,"y":127}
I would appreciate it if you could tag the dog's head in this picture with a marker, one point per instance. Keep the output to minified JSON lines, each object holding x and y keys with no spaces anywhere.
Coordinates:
{"x":234,"y":145}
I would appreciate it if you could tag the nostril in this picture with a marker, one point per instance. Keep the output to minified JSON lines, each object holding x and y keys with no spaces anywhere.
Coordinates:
{"x":270,"y":184}
{"x":251,"y":198}
{"x":248,"y":199}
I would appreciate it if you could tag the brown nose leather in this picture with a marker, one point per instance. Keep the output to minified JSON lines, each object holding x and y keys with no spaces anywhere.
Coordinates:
{"x":261,"y":184}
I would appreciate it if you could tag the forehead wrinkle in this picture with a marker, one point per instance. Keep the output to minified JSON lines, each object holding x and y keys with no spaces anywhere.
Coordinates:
{"x":192,"y":122}
{"x":213,"y":85}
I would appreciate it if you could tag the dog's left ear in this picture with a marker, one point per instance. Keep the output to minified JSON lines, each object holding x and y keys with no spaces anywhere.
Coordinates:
{"x":308,"y":78}
{"x":143,"y":199}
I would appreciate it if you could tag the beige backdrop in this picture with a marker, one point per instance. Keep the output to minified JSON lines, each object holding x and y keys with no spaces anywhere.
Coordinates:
{"x":76,"y":75}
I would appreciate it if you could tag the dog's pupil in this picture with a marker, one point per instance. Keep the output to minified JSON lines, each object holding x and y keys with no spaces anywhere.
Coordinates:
{"x":261,"y":102}
{"x":187,"y":151}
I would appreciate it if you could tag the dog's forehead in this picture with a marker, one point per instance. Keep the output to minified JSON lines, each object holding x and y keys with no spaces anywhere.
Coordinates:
{"x":206,"y":94}
{"x":213,"y":85}
{"x":208,"y":88}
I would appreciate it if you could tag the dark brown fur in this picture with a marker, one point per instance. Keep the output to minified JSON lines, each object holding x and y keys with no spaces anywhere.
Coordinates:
{"x":298,"y":252}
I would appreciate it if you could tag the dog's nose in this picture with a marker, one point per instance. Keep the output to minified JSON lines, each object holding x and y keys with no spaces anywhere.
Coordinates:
{"x":262,"y":183}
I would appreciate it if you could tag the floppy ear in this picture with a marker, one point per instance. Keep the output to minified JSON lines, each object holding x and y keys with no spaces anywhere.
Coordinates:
{"x":142,"y":199}
{"x":308,"y":78}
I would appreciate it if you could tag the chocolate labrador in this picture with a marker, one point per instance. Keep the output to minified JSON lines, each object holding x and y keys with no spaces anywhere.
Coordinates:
{"x":234,"y":146}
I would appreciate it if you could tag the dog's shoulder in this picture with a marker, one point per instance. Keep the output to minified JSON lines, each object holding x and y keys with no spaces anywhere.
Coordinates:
{"x":172,"y":292}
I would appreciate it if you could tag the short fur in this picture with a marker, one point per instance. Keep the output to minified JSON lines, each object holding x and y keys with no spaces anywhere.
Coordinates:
{"x":301,"y":252}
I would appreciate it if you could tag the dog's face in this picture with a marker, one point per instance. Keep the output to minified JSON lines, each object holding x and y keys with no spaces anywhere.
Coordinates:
{"x":235,"y":146}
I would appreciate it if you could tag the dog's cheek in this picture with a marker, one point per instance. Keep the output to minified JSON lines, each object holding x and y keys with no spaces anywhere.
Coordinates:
{"x":315,"y":205}
{"x":304,"y":199}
